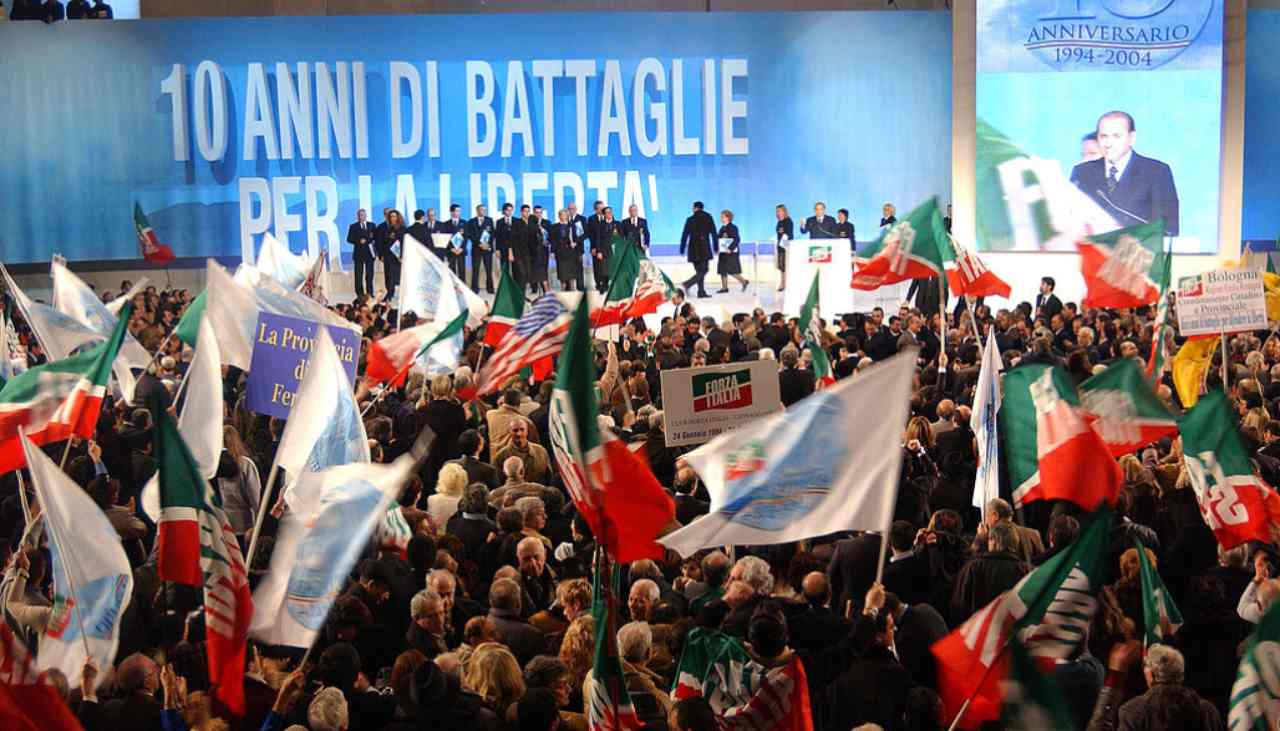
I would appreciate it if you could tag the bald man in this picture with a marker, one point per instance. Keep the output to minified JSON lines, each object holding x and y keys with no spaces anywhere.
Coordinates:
{"x":813,"y":628}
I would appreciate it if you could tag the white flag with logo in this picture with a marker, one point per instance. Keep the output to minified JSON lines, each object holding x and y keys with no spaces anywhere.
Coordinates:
{"x":276,"y":261}
{"x":74,"y":298}
{"x":819,"y":467}
{"x":430,"y":290}
{"x":92,"y":580}
{"x":330,"y":518}
{"x":983,"y":419}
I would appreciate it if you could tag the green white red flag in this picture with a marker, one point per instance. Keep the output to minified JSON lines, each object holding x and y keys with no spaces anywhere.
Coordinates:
{"x":636,"y":286}
{"x":1255,"y":696}
{"x":1127,"y":412}
{"x":148,"y":243}
{"x":967,"y":275}
{"x":1125,"y":268}
{"x":612,"y":488}
{"x":508,"y":306}
{"x":1050,"y":609}
{"x":912,"y":248}
{"x":1052,"y":450}
{"x":196,"y":547}
{"x":608,"y":703}
{"x":57,"y":400}
{"x":811,"y":327}
{"x":1159,"y":613}
{"x":743,"y":693}
{"x":1236,"y":504}
{"x":438,"y":345}
{"x":1032,"y":701}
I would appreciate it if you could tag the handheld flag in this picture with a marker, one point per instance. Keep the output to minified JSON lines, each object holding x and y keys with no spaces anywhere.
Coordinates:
{"x":426,"y":283}
{"x":983,"y":420}
{"x":508,"y":306}
{"x":811,"y":325}
{"x":1159,"y":613}
{"x":59,"y":334}
{"x":275,"y":260}
{"x":92,"y":579}
{"x":1255,"y":699}
{"x":196,"y":547}
{"x":612,"y":488}
{"x":73,"y":298}
{"x":537,"y":336}
{"x":1125,"y":268}
{"x":717,"y":667}
{"x":909,"y":249}
{"x":1236,"y":504}
{"x":1190,"y":366}
{"x":316,"y":286}
{"x":1129,"y":414}
{"x":57,"y":400}
{"x":1052,"y":450}
{"x":636,"y":286}
{"x":967,"y":275}
{"x":798,"y":474}
{"x":148,"y":243}
{"x":437,"y":345}
{"x":608,"y":702}
{"x":1032,"y":701}
{"x":1050,"y":608}
{"x":27,"y":701}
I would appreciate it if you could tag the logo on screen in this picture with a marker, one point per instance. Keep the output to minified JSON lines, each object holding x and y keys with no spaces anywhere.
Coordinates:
{"x":716,"y":391}
{"x":820,"y":254}
{"x":1108,"y":35}
{"x":1191,"y":287}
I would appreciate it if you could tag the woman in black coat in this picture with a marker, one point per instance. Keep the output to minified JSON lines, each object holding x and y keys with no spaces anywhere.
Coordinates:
{"x":730,"y":263}
{"x":538,"y":251}
{"x":785,"y":231}
{"x":568,"y":250}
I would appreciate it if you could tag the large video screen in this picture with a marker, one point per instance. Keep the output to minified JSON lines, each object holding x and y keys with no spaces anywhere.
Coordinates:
{"x":1260,"y":220}
{"x":224,"y":129}
{"x":1098,"y":114}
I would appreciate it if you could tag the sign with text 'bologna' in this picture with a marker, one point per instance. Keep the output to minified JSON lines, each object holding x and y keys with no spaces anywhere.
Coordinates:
{"x":700,"y":403}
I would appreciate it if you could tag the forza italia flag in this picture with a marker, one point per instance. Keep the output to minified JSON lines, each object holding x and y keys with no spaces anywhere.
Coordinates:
{"x":967,"y":275}
{"x":1125,"y":268}
{"x":57,"y":400}
{"x":1050,"y":609}
{"x":508,"y":306}
{"x":636,"y":286}
{"x":811,"y":326}
{"x":1052,"y":450}
{"x":1032,"y":701}
{"x":1159,"y":614}
{"x":608,"y":703}
{"x":1255,"y":696}
{"x":437,"y":344}
{"x":1128,"y":413}
{"x":1236,"y":504}
{"x":912,"y":248}
{"x":148,"y":243}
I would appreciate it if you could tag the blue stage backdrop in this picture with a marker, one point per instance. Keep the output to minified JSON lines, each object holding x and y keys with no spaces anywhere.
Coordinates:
{"x":224,"y":129}
{"x":1261,"y":221}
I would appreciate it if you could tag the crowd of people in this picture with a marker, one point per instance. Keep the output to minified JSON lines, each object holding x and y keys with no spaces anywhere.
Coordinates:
{"x":484,"y":621}
{"x":528,"y":241}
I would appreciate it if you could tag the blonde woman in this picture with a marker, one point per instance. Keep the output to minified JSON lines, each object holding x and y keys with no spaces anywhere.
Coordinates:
{"x":450,"y":486}
{"x":577,"y":652}
{"x":784,"y":231}
{"x":494,"y":675}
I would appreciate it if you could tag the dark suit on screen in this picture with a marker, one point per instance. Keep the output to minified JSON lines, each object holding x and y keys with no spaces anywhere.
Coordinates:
{"x":1144,"y":191}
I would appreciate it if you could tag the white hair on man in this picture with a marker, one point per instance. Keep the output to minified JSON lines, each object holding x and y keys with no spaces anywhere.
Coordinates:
{"x":513,"y":467}
{"x":1164,"y":664}
{"x":755,"y":572}
{"x":646,"y":586}
{"x":529,"y":505}
{"x":328,"y":711}
{"x":634,"y":641}
{"x":421,"y":601}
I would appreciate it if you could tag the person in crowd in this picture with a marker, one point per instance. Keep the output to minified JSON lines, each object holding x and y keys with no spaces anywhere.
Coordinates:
{"x":362,"y":236}
{"x":1027,"y":545}
{"x":479,"y":233}
{"x":698,"y":244}
{"x":1048,"y":305}
{"x":238,"y":484}
{"x":536,"y":462}
{"x":988,"y":575}
{"x":567,"y":245}
{"x":784,"y":232}
{"x":730,"y":262}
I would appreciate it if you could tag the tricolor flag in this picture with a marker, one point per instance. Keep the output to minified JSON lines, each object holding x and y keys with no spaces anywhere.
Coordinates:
{"x":1128,"y":267}
{"x":1236,"y":504}
{"x":28,"y":702}
{"x":1129,"y":414}
{"x":912,"y":248}
{"x":437,"y":345}
{"x":611,"y":487}
{"x":967,"y":275}
{"x":800,"y":473}
{"x":148,"y":243}
{"x":1032,"y":700}
{"x":717,"y":667}
{"x":811,"y":327}
{"x":1162,"y":338}
{"x":1050,"y":609}
{"x":636,"y":286}
{"x":1255,"y":696}
{"x":196,"y":547}
{"x":57,"y":400}
{"x":1159,"y":613}
{"x":508,"y":306}
{"x":1052,"y":450}
{"x":536,"y":337}
{"x":608,"y":703}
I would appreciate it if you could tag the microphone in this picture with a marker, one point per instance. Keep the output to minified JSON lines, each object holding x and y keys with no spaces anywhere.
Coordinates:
{"x":1140,"y":219}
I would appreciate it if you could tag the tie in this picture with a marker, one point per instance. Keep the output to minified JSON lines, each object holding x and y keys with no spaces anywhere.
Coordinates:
{"x":1111,"y":179}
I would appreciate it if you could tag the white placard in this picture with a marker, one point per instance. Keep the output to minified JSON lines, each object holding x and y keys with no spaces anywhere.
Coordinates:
{"x":1221,"y":301}
{"x":833,"y":258}
{"x":441,"y":241}
{"x":700,"y":403}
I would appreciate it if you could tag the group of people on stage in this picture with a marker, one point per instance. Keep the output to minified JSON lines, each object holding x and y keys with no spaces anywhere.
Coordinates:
{"x":526,"y":244}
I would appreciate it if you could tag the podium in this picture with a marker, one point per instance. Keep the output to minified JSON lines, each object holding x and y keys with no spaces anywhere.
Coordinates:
{"x":832,"y":261}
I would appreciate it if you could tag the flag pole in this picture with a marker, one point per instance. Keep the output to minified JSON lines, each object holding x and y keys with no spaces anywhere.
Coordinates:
{"x":262,"y":514}
{"x":62,"y":465}
{"x":22,"y":493}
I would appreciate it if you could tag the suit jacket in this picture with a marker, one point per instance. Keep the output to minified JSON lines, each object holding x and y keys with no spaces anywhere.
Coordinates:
{"x":637,"y":233}
{"x":1144,"y":192}
{"x":602,"y":238}
{"x":362,"y":252}
{"x":1048,"y":306}
{"x":824,"y":229}
{"x":845,"y":231}
{"x":689,"y":507}
{"x":524,"y":640}
{"x":474,"y":229}
{"x":448,"y":226}
{"x":795,"y":384}
{"x":698,"y":240}
{"x":504,"y":236}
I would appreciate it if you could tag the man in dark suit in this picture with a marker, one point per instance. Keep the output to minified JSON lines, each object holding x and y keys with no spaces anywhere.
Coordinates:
{"x":844,"y":228}
{"x":431,"y":225}
{"x":819,"y":225}
{"x":479,"y":233}
{"x":698,"y":243}
{"x":360,"y":235}
{"x":505,"y":606}
{"x":1132,"y":188}
{"x":599,"y":259}
{"x":457,"y":249}
{"x":794,"y":383}
{"x":504,"y":239}
{"x":1047,"y":303}
{"x":419,"y":231}
{"x":635,"y":229}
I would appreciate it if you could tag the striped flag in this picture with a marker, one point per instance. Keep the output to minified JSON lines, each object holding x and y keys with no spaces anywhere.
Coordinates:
{"x":148,"y":243}
{"x":539,"y":334}
{"x":909,"y":249}
{"x":27,"y":703}
{"x":968,"y":275}
{"x":608,"y":702}
{"x":811,"y":326}
{"x":1255,"y":698}
{"x":636,"y":286}
{"x":438,"y":345}
{"x":1125,"y":268}
{"x":508,"y":306}
{"x":57,"y":400}
{"x":1159,"y":613}
{"x":1129,"y":414}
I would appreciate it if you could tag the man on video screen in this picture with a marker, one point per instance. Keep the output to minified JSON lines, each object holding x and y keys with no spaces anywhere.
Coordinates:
{"x":1132,"y":188}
